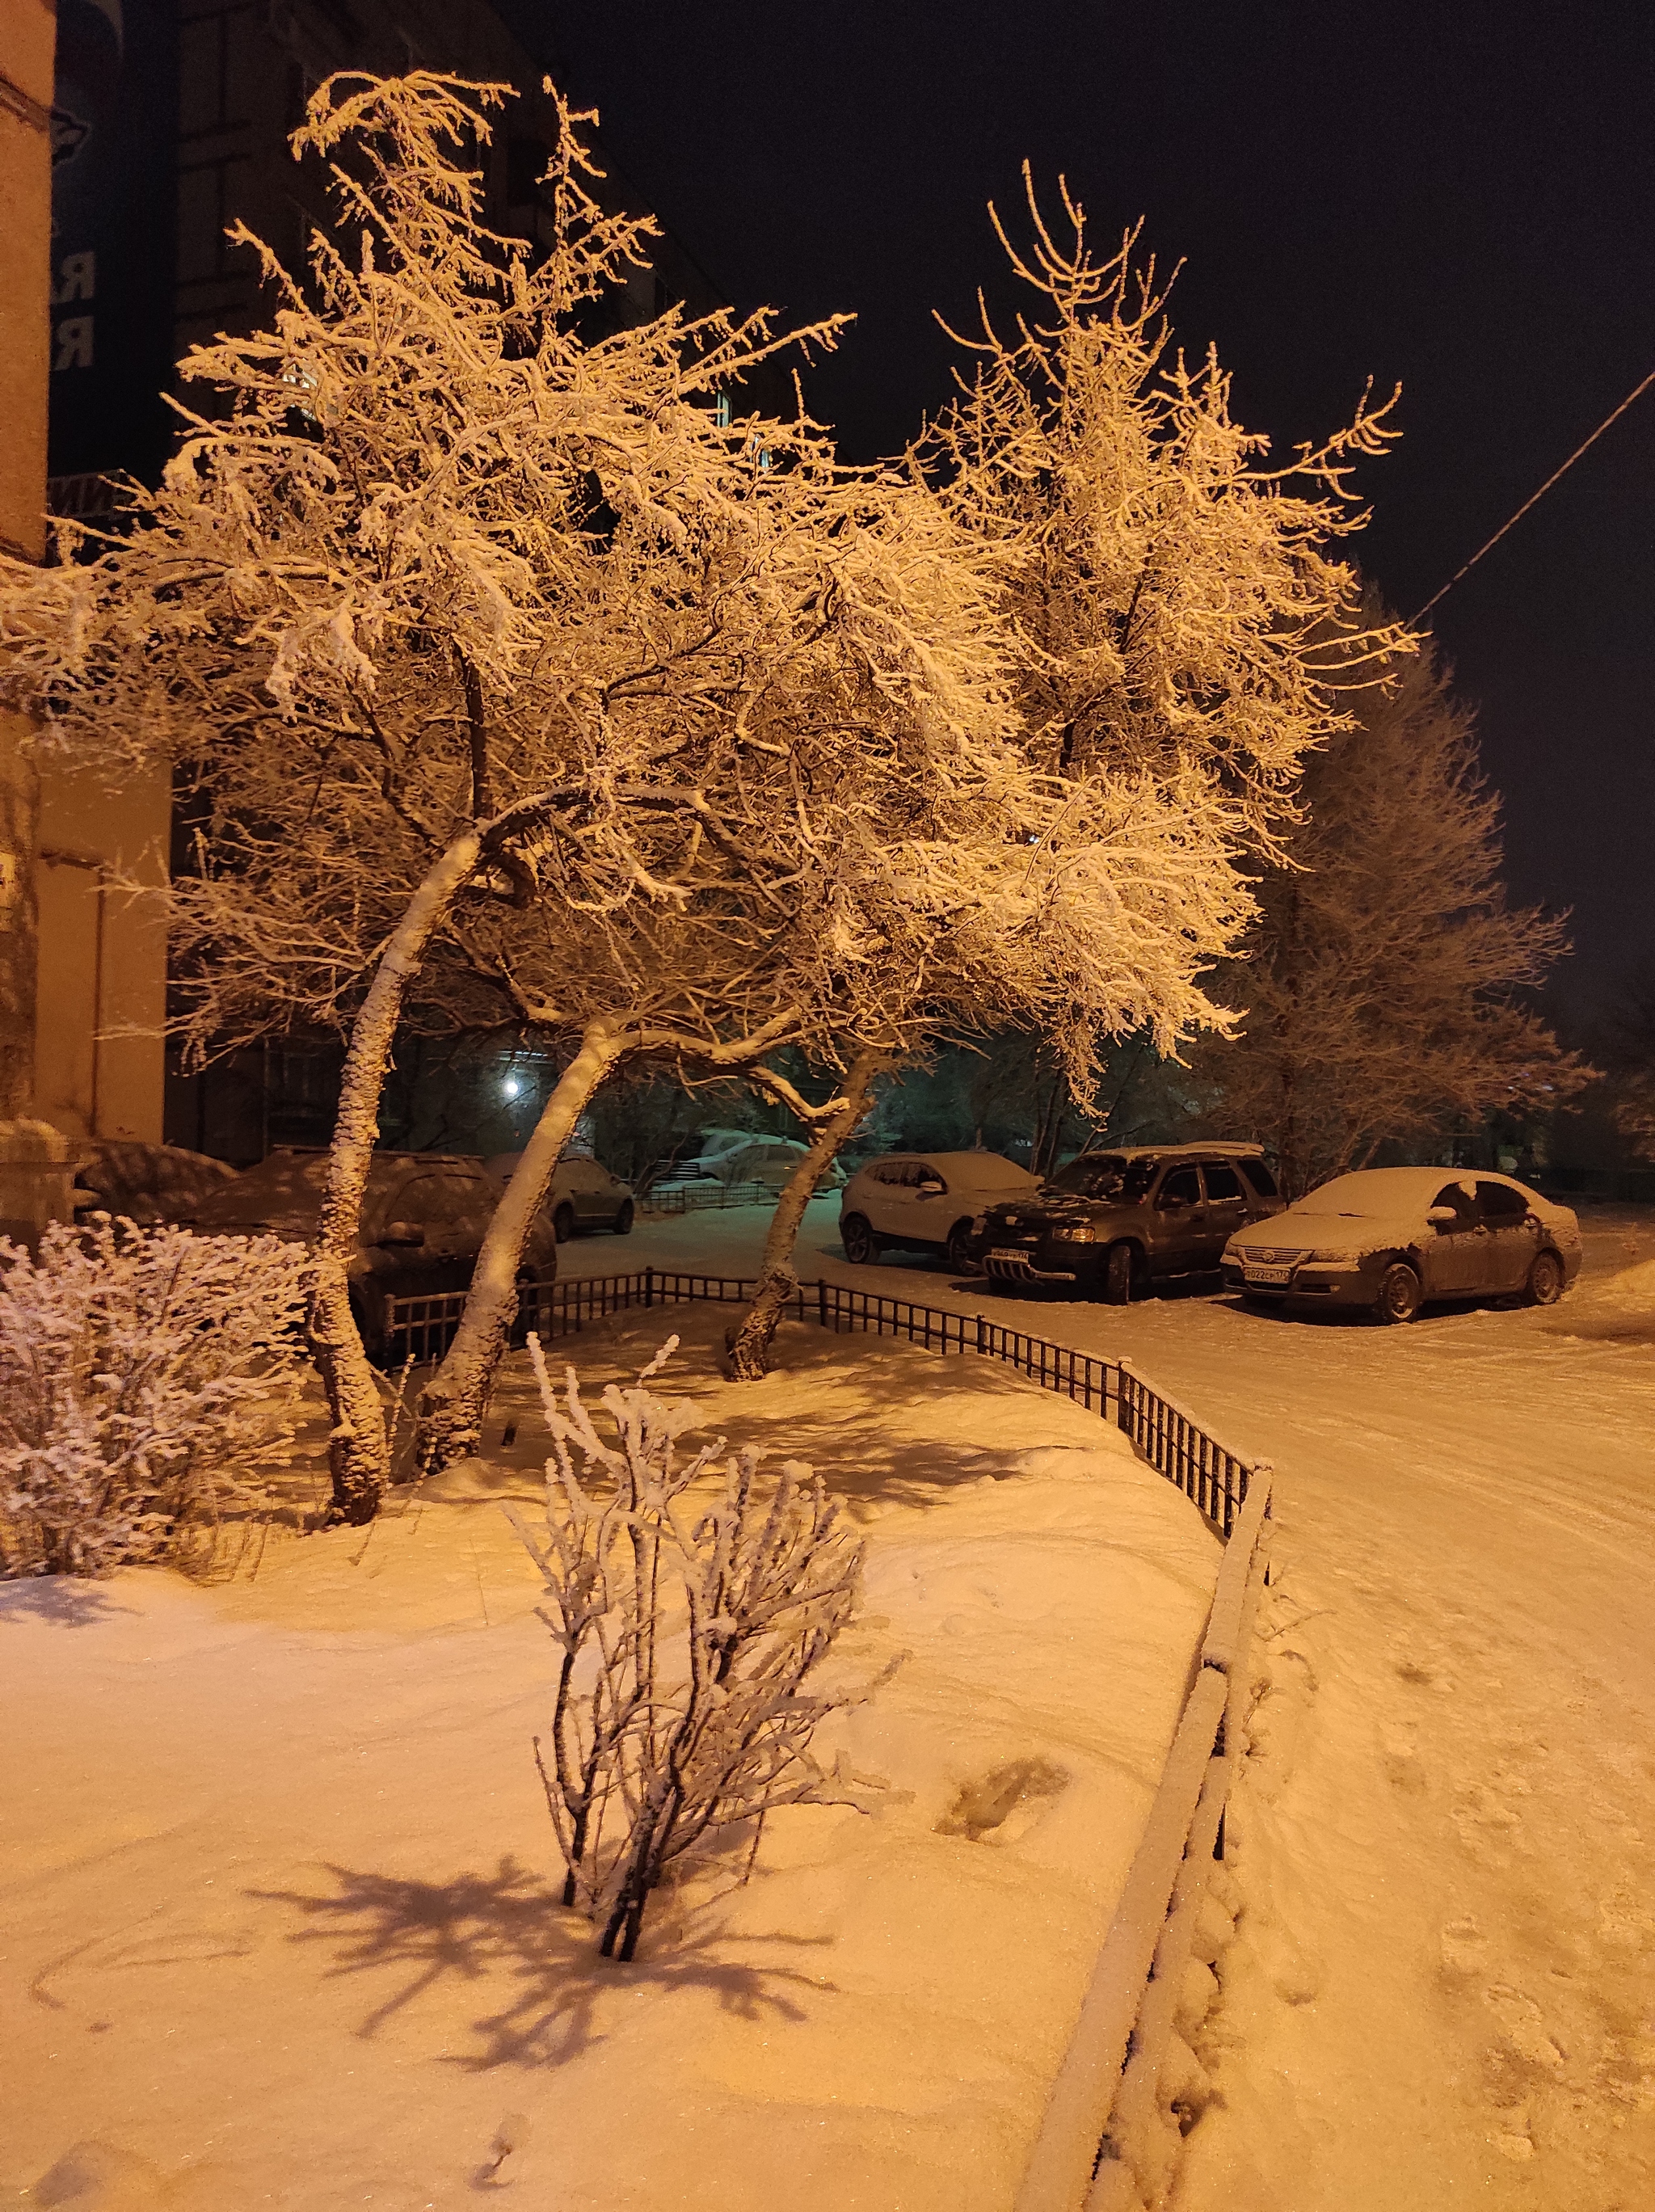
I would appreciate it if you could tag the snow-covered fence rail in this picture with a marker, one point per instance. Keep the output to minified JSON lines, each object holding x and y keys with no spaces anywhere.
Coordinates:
{"x":1110,"y":2136}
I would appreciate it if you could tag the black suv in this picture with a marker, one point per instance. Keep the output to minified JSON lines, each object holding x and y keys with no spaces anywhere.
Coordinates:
{"x":1110,"y":1222}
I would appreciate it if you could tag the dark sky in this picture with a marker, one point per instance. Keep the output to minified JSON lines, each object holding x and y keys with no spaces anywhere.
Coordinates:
{"x":1458,"y":197}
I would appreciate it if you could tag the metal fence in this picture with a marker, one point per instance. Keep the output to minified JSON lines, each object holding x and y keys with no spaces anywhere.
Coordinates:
{"x":663,"y":1197}
{"x":1109,"y":2141}
{"x":1209,"y":1473}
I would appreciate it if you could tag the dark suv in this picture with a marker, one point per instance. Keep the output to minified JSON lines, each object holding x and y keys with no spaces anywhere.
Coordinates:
{"x":1110,"y":1222}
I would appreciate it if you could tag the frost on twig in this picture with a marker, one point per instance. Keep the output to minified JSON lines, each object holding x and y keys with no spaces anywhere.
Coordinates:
{"x":145,"y":1376}
{"x":688,"y":1628}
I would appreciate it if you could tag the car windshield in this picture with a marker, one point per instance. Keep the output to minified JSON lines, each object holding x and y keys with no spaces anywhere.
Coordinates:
{"x":1103,"y":1175}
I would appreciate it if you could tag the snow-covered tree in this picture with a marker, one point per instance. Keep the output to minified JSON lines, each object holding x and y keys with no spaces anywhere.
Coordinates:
{"x":1183,"y":618}
{"x":1384,"y":979}
{"x":1181,"y":633}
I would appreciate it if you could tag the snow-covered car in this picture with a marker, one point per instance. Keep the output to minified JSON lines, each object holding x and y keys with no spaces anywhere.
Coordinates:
{"x":1114,"y":1222}
{"x":1392,"y":1240}
{"x":730,"y":1157}
{"x":925,"y":1202}
{"x":583,"y":1195}
{"x":424,"y":1217}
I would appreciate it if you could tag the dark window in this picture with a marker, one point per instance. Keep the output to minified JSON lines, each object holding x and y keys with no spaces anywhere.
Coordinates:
{"x":1261,"y":1178}
{"x":1500,"y":1204}
{"x":1223,"y":1183}
{"x":1179,"y":1187}
{"x":924,"y":1174}
{"x":1462,"y":1203}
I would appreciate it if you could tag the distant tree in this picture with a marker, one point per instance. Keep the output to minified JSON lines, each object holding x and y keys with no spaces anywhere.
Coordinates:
{"x":1630,"y":1058}
{"x":1384,"y":981}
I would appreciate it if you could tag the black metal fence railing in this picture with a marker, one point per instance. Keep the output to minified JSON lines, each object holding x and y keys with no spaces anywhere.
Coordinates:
{"x":667,"y":1197}
{"x":1174,"y":1443}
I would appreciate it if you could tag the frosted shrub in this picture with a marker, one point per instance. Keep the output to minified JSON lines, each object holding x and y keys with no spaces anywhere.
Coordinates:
{"x":687,"y":1629}
{"x":145,"y":1374}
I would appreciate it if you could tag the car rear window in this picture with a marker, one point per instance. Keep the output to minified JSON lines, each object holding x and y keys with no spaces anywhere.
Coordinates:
{"x":1222,"y":1180}
{"x":1260,"y":1177}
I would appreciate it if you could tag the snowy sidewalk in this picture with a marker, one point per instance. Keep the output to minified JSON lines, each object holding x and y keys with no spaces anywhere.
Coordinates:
{"x":1446,"y":1993}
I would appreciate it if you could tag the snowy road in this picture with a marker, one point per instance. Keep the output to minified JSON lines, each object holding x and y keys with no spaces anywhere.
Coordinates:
{"x":1446,"y":1839}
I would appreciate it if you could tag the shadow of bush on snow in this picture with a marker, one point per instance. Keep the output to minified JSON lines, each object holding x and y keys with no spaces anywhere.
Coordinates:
{"x":510,"y":1927}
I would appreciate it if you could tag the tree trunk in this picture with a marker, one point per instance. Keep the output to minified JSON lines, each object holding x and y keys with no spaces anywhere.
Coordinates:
{"x":358,"y":1451}
{"x":750,"y":1340}
{"x":454,"y":1401}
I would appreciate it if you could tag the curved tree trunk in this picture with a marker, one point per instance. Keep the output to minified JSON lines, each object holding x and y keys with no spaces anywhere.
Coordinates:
{"x":750,"y":1340}
{"x":359,"y":1453}
{"x":453,"y":1402}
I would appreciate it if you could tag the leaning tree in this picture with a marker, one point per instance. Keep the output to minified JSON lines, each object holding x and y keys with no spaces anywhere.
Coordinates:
{"x":422,"y":616}
{"x":1181,"y":630}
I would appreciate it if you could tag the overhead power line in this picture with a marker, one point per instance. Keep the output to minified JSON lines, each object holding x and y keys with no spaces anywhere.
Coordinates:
{"x":1536,"y":497}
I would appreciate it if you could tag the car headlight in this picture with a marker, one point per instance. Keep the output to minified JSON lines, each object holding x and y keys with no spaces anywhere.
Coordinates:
{"x":1334,"y":1256}
{"x":1079,"y":1232}
{"x":979,"y":1223}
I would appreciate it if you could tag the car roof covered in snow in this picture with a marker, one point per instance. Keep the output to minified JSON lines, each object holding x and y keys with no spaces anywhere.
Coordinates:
{"x":1373,"y":1192}
{"x":977,"y":1171}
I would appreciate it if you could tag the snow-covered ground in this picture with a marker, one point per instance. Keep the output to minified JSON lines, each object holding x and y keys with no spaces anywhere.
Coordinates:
{"x":1443,"y":1990}
{"x":279,"y":1892}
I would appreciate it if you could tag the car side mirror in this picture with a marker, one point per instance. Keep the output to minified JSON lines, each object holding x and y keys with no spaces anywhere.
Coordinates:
{"x":402,"y":1232}
{"x":1442,"y":1217}
{"x":931,"y":1189}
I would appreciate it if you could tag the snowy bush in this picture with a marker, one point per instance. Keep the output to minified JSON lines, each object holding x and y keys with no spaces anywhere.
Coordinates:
{"x":145,"y":1374}
{"x":688,"y":1630}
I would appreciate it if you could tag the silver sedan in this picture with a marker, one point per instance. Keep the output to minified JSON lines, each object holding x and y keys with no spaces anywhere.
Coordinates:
{"x":1391,"y":1239}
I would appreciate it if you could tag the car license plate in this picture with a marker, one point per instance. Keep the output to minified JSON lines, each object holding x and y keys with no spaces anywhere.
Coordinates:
{"x":1002,"y":1252}
{"x":1267,"y":1275}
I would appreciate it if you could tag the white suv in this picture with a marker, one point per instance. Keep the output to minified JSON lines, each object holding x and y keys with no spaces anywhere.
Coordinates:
{"x":925,"y":1202}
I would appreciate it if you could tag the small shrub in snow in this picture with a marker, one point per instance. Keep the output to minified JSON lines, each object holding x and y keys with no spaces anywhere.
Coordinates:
{"x":145,"y":1373}
{"x":687,"y":1628}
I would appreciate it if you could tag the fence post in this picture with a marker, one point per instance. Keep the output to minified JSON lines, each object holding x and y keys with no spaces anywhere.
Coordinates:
{"x":821,"y":1300}
{"x":979,"y":1333}
{"x":648,"y":1286}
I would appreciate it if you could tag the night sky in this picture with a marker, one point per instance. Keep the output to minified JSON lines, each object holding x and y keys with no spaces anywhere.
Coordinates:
{"x":1460,"y":198}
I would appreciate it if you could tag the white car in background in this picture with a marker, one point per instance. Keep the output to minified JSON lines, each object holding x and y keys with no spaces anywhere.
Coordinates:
{"x":582,"y":1194}
{"x":925,"y":1202}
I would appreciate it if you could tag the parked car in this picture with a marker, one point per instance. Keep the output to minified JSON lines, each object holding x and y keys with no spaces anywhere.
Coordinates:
{"x":925,"y":1202}
{"x":1393,"y":1239}
{"x":582,"y":1194}
{"x":731,"y":1157}
{"x":424,"y":1219}
{"x":1112,"y":1221}
{"x":147,"y":1182}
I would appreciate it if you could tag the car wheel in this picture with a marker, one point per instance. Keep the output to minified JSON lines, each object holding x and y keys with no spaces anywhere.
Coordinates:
{"x":1545,"y":1283}
{"x":624,"y":1220}
{"x":960,"y":1252}
{"x":563,"y":1223}
{"x":1400,"y":1293}
{"x":861,"y":1245}
{"x":1117,"y":1285}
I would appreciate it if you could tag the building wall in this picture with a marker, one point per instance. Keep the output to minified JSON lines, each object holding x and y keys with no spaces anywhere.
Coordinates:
{"x":27,"y":31}
{"x":98,"y":1050}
